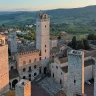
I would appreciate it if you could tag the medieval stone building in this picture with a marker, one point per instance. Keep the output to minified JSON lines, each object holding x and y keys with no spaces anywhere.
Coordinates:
{"x":59,"y":70}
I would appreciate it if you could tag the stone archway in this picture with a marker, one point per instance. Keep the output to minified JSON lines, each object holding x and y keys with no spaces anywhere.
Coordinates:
{"x":14,"y":83}
{"x":45,"y":70}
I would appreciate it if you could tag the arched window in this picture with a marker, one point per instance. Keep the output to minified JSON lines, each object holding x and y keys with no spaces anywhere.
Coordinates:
{"x":35,"y":66}
{"x":11,"y":67}
{"x":30,"y":68}
{"x":24,"y":77}
{"x":60,"y":81}
{"x":53,"y":75}
{"x":24,"y":69}
{"x":35,"y":74}
{"x":29,"y":75}
{"x":74,"y":81}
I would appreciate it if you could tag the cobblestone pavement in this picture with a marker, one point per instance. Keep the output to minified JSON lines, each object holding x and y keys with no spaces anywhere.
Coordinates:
{"x":50,"y":85}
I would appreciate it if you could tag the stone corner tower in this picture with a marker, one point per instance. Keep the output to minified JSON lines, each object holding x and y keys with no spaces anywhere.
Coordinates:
{"x":43,"y":35}
{"x":75,"y":73}
{"x":4,"y":66}
{"x":94,"y":58}
{"x":23,"y":88}
{"x":13,"y":42}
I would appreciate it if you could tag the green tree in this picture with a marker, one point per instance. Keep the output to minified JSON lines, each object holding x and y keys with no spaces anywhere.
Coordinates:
{"x":80,"y":45}
{"x":59,"y":37}
{"x":74,"y":42}
{"x":91,"y":37}
{"x":86,"y":44}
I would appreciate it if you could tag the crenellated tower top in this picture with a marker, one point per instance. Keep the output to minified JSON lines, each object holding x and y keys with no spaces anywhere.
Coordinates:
{"x":42,"y":16}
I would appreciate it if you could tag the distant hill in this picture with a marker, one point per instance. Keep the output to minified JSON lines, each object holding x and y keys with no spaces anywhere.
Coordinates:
{"x":85,"y":15}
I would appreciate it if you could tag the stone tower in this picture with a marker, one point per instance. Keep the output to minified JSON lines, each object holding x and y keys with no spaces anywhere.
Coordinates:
{"x":12,"y":42}
{"x":75,"y":73}
{"x":4,"y":68}
{"x":23,"y":88}
{"x":42,"y":35}
{"x":94,"y":58}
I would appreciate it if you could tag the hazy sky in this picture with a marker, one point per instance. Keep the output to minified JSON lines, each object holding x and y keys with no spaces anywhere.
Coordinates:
{"x":43,"y":4}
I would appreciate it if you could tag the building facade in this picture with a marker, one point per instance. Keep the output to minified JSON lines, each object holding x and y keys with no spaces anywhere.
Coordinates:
{"x":28,"y":64}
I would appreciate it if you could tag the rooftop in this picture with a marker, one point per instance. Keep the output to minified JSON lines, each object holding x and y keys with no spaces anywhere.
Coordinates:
{"x":55,"y":49}
{"x":22,"y":83}
{"x":60,"y":93}
{"x":63,"y":60}
{"x":75,"y":52}
{"x":86,"y":63}
{"x":86,"y":54}
{"x":12,"y":72}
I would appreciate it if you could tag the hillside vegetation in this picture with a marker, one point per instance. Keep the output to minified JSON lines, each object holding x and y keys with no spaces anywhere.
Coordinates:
{"x":86,"y":15}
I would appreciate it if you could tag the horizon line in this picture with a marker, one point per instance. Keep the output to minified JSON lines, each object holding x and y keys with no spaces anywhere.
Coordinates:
{"x":23,"y":9}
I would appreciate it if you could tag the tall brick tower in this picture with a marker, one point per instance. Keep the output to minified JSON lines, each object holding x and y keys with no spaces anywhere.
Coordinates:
{"x":23,"y":88}
{"x":42,"y":36}
{"x":4,"y":68}
{"x":75,"y":73}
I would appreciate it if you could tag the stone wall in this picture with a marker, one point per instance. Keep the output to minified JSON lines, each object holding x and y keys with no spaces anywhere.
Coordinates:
{"x":75,"y":81}
{"x":4,"y":69}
